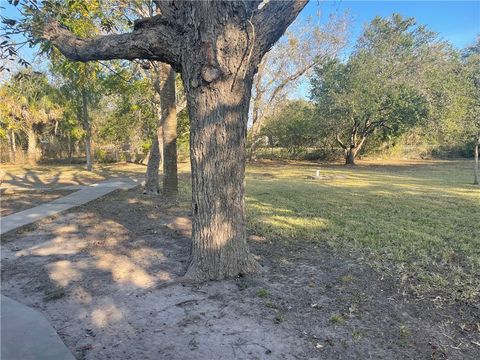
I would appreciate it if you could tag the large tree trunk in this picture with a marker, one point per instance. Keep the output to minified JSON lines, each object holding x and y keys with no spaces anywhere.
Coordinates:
{"x":476,"y":180}
{"x":169,"y":131}
{"x":152,"y":186}
{"x":32,"y":149}
{"x":85,"y":120}
{"x":218,"y":79}
{"x":218,"y":129}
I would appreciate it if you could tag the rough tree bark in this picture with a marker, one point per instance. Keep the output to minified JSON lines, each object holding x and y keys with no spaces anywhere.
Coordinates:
{"x":476,"y":180}
{"x":217,"y":46}
{"x":169,"y":131}
{"x":217,"y":152}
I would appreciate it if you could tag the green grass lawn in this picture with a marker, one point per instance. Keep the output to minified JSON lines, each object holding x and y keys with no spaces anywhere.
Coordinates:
{"x":419,"y":221}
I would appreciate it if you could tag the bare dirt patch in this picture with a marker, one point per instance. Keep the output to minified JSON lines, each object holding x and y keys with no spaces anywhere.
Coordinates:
{"x":12,"y":202}
{"x":105,"y":275}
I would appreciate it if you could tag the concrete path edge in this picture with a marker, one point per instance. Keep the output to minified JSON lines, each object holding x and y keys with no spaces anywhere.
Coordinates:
{"x":27,"y":335}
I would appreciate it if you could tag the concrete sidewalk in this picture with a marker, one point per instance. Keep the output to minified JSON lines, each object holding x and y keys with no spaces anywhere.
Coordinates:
{"x":83,"y":196}
{"x":27,"y":335}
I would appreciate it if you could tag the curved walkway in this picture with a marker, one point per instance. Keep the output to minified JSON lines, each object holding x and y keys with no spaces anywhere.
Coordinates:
{"x":83,"y":196}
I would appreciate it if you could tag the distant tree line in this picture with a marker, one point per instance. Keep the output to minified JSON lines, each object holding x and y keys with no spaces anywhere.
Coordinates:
{"x":399,"y":85}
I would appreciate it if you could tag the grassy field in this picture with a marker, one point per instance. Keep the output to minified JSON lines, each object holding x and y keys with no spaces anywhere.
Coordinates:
{"x":419,"y":221}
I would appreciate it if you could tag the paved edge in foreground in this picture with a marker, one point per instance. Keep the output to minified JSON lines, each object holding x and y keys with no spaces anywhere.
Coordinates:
{"x":27,"y":334}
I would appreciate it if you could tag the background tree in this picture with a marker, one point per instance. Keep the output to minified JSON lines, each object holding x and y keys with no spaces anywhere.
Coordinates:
{"x":27,"y":106}
{"x":373,"y":90}
{"x":82,"y":82}
{"x":82,"y":86}
{"x":306,"y":44}
{"x":10,"y":115}
{"x":164,"y":140}
{"x":162,"y":77}
{"x":128,"y":112}
{"x":292,"y":126}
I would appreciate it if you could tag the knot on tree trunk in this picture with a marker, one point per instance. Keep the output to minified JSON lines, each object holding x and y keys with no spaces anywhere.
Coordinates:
{"x":210,"y":73}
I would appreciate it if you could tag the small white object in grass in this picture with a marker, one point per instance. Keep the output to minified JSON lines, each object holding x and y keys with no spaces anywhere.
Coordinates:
{"x":317,"y":173}
{"x":262,"y":4}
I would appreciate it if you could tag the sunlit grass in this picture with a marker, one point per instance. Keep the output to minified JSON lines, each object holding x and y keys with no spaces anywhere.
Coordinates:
{"x":419,"y":221}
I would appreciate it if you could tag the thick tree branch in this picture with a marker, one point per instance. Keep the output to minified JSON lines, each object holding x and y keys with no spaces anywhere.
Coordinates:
{"x":271,"y":21}
{"x":145,"y":42}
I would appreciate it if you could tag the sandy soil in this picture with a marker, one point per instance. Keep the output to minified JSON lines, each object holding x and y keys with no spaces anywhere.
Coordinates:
{"x":105,"y":275}
{"x":21,"y":200}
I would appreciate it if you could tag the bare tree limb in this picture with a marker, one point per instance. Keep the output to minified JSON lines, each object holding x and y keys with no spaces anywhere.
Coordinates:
{"x":337,"y":137}
{"x":145,"y":42}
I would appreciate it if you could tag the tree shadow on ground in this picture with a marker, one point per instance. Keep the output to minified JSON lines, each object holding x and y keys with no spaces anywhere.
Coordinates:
{"x":31,"y":179}
{"x":58,"y":176}
{"x":99,"y":273}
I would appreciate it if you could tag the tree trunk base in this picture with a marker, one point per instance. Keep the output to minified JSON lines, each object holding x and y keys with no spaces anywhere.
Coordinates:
{"x":196,"y":273}
{"x":151,"y":192}
{"x":350,"y":160}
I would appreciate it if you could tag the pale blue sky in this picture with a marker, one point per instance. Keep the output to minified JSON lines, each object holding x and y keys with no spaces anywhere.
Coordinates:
{"x":455,"y":21}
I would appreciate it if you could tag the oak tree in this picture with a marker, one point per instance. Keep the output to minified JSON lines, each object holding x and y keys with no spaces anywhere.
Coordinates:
{"x":375,"y":89}
{"x":217,"y":47}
